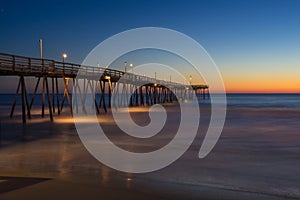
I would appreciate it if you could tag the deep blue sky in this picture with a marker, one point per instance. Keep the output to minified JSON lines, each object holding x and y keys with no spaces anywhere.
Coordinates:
{"x":247,"y":39}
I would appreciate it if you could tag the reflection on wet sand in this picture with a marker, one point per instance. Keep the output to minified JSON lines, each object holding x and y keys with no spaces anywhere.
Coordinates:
{"x":256,"y":157}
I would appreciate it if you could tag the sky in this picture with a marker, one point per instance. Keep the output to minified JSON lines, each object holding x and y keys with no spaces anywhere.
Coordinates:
{"x":255,"y":44}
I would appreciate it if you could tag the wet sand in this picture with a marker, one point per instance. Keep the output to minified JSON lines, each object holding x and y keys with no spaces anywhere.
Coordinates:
{"x":257,"y":157}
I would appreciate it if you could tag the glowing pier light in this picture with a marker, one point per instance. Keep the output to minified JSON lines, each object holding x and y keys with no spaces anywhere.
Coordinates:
{"x":64,"y":56}
{"x":132,"y":66}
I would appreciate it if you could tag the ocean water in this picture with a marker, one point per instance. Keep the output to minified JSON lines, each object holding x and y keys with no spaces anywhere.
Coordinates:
{"x":257,"y":153}
{"x":279,"y":101}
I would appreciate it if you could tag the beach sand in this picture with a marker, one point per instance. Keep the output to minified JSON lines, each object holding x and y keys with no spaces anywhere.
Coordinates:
{"x":257,"y":157}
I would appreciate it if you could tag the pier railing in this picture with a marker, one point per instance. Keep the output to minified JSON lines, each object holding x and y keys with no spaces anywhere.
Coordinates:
{"x":140,"y":90}
{"x":21,"y":65}
{"x":14,"y":65}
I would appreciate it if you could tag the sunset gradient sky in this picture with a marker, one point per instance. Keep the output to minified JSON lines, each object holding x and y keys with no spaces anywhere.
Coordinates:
{"x":255,"y":44}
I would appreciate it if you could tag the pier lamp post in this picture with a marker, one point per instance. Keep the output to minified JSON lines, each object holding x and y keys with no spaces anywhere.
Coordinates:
{"x":41,"y":53}
{"x":190,"y":81}
{"x":41,"y":48}
{"x":64,"y":56}
{"x":132,"y":66}
{"x":155,"y":84}
{"x":125,"y":65}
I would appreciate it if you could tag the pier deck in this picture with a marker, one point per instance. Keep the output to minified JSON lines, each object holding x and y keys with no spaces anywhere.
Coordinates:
{"x":144,"y":90}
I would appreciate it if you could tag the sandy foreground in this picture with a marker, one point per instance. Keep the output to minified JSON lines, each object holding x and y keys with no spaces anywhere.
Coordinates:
{"x":257,"y":157}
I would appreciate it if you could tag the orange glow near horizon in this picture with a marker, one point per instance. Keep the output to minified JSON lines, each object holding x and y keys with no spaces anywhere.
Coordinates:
{"x":257,"y":83}
{"x":259,"y":76}
{"x":260,"y":84}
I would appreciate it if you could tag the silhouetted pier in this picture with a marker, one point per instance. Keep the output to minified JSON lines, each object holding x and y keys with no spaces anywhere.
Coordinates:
{"x":144,"y":90}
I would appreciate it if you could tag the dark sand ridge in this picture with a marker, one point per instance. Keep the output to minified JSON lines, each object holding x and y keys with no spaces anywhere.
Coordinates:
{"x":257,"y":157}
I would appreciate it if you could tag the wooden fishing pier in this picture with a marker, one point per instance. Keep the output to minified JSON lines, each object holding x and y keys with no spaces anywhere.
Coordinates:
{"x":119,"y":87}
